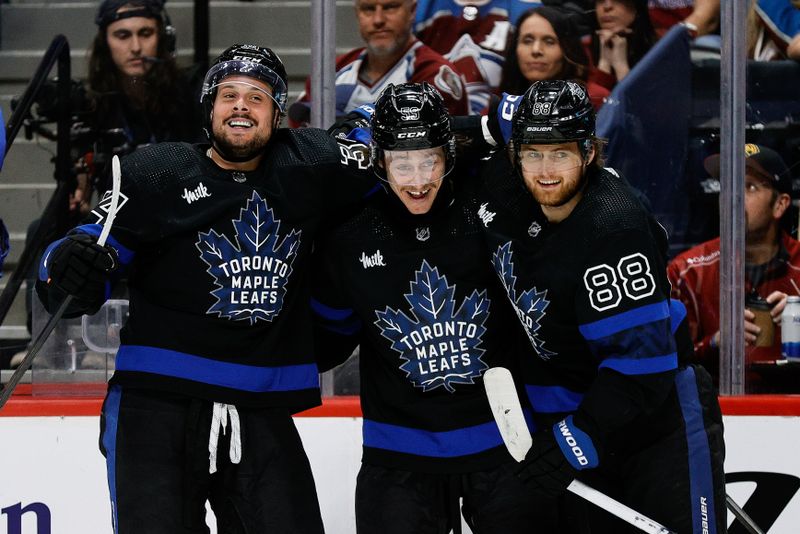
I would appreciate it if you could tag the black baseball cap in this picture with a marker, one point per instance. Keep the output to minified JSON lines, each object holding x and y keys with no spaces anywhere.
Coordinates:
{"x":764,"y":161}
{"x":107,"y":12}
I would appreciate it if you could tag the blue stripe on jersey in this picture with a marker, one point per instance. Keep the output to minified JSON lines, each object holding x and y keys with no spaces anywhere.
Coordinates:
{"x":217,"y":373}
{"x":700,"y":478}
{"x":625,"y":321}
{"x":449,"y":444}
{"x":109,"y":440}
{"x":677,"y":313}
{"x":552,"y":399}
{"x":125,"y":254}
{"x":341,"y":321}
{"x":637,"y":341}
{"x":643,"y":366}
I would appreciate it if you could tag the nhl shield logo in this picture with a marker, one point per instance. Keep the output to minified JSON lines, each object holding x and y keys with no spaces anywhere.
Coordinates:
{"x":534,"y":229}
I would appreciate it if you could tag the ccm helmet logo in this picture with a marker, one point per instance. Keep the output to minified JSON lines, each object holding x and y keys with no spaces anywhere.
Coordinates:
{"x":538,"y":128}
{"x":411,"y":135}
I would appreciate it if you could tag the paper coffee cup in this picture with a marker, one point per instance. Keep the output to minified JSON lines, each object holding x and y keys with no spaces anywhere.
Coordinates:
{"x":764,"y":321}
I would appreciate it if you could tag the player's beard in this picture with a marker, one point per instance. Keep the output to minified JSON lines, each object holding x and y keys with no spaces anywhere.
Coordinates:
{"x":241,"y":151}
{"x":560,"y":196}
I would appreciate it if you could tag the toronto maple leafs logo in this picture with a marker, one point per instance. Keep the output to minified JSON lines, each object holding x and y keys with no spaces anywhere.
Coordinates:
{"x":439,"y":346}
{"x":530,"y":305}
{"x":250,"y":273}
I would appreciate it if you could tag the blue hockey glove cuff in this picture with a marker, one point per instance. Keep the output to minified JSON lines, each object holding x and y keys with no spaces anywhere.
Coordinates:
{"x":359,"y":118}
{"x":499,"y":118}
{"x":365,"y":110}
{"x":575,"y":444}
{"x":361,"y":135}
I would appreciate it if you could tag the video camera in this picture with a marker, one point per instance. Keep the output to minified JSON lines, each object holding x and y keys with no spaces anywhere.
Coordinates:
{"x":91,"y":148}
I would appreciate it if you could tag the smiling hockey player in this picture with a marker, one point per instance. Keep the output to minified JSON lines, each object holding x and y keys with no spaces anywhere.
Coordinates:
{"x":584,"y":265}
{"x":407,"y":278}
{"x":217,"y":352}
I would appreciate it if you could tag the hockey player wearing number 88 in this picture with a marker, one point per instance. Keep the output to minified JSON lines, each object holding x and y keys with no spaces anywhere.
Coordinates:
{"x":607,"y":376}
{"x":217,"y":353}
{"x":407,"y":279}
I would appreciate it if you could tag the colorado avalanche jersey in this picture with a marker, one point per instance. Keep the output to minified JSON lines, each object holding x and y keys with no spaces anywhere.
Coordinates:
{"x":458,"y":29}
{"x":218,"y":268}
{"x":419,"y":295}
{"x":592,"y":295}
{"x":419,"y":64}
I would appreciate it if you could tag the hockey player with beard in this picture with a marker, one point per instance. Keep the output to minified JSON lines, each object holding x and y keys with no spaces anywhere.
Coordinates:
{"x":608,"y":376}
{"x":407,"y":279}
{"x":217,"y":353}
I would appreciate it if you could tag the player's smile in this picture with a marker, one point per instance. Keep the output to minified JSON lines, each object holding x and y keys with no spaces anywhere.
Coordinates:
{"x":241,"y":123}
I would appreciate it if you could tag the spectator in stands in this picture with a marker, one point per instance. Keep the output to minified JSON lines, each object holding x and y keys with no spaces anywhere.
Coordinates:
{"x":546,"y":46}
{"x":703,"y":15}
{"x":773,"y":30}
{"x":392,"y":55}
{"x":772,"y":266}
{"x":137,"y":95}
{"x":622,"y":35}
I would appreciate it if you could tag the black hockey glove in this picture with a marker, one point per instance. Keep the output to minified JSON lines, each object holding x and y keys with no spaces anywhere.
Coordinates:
{"x":80,"y":267}
{"x":358,"y":119}
{"x":556,"y":457}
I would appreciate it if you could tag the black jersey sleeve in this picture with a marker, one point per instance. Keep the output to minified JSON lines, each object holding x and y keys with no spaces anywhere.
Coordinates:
{"x":336,"y":326}
{"x":624,"y":314}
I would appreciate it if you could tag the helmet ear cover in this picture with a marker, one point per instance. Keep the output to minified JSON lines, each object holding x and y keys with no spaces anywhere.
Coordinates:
{"x":410,"y":116}
{"x":256,"y":62}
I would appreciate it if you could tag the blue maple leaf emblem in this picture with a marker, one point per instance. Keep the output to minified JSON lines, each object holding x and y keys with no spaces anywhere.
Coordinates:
{"x":438,"y":344}
{"x":530,"y":305}
{"x":250,"y":273}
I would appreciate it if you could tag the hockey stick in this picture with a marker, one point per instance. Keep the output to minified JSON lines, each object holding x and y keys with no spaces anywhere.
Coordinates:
{"x":514,"y":430}
{"x":12,"y":383}
{"x":742,"y":516}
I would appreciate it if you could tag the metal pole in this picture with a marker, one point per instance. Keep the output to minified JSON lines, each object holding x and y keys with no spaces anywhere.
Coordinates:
{"x":323,"y":63}
{"x":732,"y":236}
{"x":201,"y":34}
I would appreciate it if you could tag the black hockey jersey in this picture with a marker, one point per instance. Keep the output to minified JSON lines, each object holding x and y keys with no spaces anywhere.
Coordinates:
{"x":419,"y":295}
{"x":218,"y":268}
{"x":593,"y":297}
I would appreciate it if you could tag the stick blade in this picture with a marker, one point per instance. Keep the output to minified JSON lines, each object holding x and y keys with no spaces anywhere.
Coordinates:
{"x":507,"y":411}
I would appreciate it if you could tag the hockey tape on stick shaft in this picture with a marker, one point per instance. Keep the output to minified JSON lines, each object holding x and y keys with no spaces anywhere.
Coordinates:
{"x":26,"y":362}
{"x":742,"y":516}
{"x":508,"y":416}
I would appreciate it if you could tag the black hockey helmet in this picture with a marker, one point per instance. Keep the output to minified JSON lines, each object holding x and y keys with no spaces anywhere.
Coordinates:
{"x":410,"y":116}
{"x":553,"y":111}
{"x":255,"y":61}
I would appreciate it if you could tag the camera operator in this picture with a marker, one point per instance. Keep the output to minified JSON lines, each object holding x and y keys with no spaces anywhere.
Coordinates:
{"x":135,"y":96}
